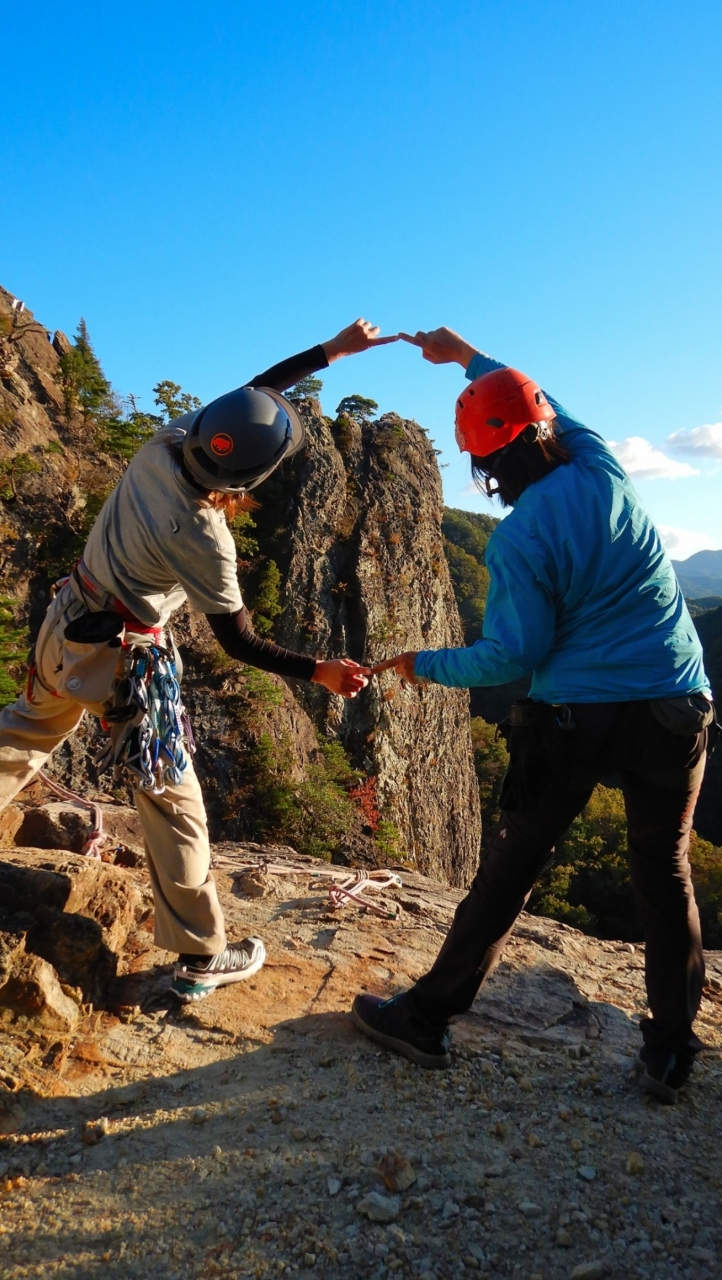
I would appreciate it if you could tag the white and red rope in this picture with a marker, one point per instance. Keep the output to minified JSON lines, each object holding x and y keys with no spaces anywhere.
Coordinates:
{"x":96,"y":839}
{"x":345,"y":887}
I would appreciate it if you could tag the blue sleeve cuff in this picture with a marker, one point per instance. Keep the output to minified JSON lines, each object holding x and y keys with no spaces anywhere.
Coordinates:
{"x":421,"y":663}
{"x":481,"y":364}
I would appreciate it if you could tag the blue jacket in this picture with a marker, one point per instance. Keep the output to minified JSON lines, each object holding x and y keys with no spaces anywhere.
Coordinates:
{"x":582,"y":594}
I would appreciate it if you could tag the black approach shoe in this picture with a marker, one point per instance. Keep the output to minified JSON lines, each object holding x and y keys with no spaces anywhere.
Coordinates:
{"x":393,"y":1024}
{"x":664,"y":1073}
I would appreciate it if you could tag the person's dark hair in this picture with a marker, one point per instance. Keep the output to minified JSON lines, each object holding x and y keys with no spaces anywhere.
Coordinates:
{"x":229,"y":503}
{"x":509,"y":471}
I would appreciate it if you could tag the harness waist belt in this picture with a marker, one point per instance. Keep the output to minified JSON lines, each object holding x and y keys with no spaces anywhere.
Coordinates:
{"x":86,"y":587}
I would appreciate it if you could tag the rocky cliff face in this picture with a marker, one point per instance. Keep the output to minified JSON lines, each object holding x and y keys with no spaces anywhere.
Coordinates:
{"x":367,"y":576}
{"x":354,"y":526}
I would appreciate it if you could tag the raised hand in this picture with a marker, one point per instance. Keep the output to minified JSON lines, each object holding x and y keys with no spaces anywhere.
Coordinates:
{"x":356,"y":337}
{"x":341,"y":675}
{"x":442,"y":346}
{"x":402,"y":664}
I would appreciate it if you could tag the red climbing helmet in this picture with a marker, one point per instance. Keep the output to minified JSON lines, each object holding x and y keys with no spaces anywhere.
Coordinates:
{"x":495,"y":408}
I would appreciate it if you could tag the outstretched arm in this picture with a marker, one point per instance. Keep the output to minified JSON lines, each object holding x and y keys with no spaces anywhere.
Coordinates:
{"x":519,"y":625}
{"x":237,"y":638}
{"x":356,"y":337}
{"x":444,"y":346}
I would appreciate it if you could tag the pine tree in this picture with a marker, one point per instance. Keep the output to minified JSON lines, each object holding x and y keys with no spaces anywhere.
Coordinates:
{"x":83,"y":382}
{"x":173,"y":400}
{"x":358,"y":408}
{"x":304,"y":389}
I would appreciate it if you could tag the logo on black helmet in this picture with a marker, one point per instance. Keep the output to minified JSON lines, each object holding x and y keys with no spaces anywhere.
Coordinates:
{"x":221,"y":445}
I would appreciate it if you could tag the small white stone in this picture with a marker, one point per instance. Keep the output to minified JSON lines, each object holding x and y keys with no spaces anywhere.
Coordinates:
{"x":587,"y":1172}
{"x":379,"y":1208}
{"x":334,"y":1186}
{"x":529,"y":1209}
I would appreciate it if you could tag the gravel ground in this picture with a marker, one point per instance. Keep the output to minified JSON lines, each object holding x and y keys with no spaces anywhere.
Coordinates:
{"x":209,"y":1144}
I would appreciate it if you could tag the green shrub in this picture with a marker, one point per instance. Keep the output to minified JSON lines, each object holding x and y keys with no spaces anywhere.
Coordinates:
{"x":13,"y":651}
{"x":239,"y":525}
{"x":491,"y":760}
{"x":12,"y":471}
{"x":388,"y":842}
{"x":260,"y":690}
{"x":706,"y":860}
{"x":122,"y":437}
{"x":313,"y":815}
{"x":267,"y":599}
{"x":324,"y":815}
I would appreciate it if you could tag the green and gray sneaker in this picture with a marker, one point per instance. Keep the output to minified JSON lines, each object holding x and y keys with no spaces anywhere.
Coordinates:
{"x":195,"y":977}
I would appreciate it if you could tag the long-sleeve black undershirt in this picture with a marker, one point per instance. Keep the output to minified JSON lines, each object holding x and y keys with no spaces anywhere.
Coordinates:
{"x":234,"y":634}
{"x":288,"y":372}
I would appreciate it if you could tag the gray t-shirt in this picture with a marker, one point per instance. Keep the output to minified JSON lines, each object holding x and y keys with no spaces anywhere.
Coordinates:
{"x":154,"y":546}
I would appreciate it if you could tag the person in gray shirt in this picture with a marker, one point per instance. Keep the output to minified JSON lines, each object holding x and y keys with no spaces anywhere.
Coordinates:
{"x":161,"y":539}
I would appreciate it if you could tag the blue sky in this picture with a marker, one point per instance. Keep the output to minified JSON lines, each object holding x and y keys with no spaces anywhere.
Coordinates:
{"x":215,"y":186}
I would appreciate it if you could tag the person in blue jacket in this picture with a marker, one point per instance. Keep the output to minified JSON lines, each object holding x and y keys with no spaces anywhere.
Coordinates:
{"x":583,"y":598}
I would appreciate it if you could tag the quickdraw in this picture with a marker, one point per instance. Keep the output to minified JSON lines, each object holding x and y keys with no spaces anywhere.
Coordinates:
{"x":151,"y":736}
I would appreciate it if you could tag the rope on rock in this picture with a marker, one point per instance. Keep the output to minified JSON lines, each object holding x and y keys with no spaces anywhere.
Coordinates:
{"x":345,"y":887}
{"x":96,"y":839}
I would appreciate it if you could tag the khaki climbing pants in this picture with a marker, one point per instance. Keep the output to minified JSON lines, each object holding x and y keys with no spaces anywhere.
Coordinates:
{"x":188,"y":915}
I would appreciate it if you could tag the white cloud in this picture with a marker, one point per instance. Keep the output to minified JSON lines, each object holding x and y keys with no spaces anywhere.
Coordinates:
{"x":643,"y":460}
{"x":682,"y":543}
{"x":700,"y":442}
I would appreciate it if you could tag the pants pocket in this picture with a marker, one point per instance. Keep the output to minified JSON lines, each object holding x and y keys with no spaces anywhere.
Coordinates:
{"x":89,"y":671}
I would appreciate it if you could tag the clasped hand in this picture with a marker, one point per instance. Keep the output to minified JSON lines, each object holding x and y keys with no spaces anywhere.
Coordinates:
{"x":346,"y":677}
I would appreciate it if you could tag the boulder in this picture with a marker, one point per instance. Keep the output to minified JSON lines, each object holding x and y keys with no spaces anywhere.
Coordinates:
{"x":76,"y":914}
{"x":57,"y":825}
{"x":61,"y":343}
{"x":60,"y":824}
{"x":11,"y":820}
{"x":32,"y":990}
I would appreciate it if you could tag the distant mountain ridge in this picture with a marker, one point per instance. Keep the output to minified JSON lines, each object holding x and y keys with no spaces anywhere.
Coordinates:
{"x":701,"y":574}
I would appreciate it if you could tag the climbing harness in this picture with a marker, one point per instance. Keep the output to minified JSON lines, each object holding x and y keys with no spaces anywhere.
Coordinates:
{"x":345,"y":886}
{"x":96,"y":839}
{"x":150,"y":732}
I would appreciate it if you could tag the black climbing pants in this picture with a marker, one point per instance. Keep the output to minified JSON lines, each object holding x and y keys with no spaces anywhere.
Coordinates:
{"x":660,"y":775}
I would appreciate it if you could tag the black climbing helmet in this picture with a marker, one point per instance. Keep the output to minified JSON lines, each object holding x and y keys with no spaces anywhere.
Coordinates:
{"x":238,"y":440}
